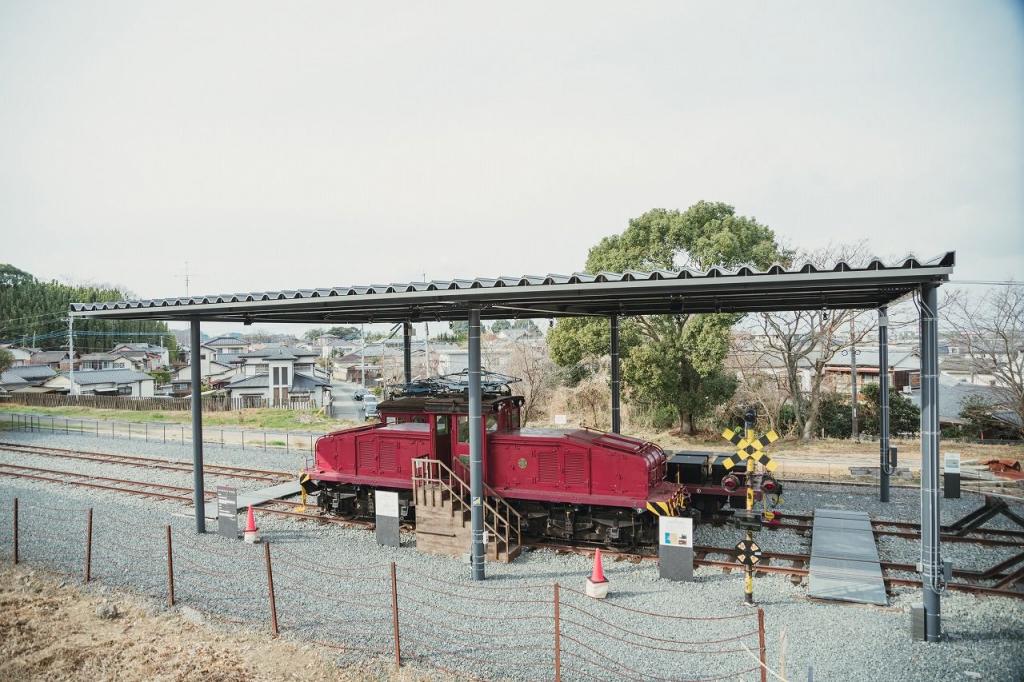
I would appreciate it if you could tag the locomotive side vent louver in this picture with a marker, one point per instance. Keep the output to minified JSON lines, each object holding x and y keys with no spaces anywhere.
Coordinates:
{"x":366,"y":455}
{"x":575,"y":469}
{"x":388,"y":455}
{"x":547,"y":467}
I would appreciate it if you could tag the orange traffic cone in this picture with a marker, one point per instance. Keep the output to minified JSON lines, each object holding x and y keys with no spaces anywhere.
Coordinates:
{"x":251,"y":532}
{"x":597,"y":584}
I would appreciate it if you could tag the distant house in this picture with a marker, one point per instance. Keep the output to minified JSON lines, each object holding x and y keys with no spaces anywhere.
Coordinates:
{"x":150,"y":355}
{"x":953,"y":394}
{"x":216,"y":372}
{"x":21,"y":356}
{"x":224,"y":348}
{"x":108,"y":361}
{"x":55,"y":359}
{"x":26,"y":379}
{"x":281,"y":376}
{"x":904,"y":369}
{"x":117,"y":382}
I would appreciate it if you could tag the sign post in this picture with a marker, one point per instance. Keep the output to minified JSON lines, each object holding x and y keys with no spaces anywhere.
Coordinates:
{"x":227,"y":512}
{"x":386,"y":506}
{"x":751,"y":448}
{"x":675,"y":548}
{"x":951,"y":476}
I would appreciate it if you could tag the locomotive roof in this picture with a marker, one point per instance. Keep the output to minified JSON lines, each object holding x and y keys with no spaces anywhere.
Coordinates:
{"x":718,"y":289}
{"x":451,"y":404}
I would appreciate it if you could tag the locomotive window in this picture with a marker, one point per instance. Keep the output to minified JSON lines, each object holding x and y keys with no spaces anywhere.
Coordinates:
{"x":392,"y":420}
{"x":513,"y":419}
{"x":492,"y":422}
{"x":442,"y":423}
{"x":463,"y":425}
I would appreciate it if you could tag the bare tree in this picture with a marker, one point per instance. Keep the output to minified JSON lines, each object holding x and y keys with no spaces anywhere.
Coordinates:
{"x":530,"y":363}
{"x":810,"y":339}
{"x":759,"y":382}
{"x":990,"y":332}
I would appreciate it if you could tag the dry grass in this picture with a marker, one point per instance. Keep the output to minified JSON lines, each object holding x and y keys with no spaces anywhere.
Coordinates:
{"x":49,"y":631}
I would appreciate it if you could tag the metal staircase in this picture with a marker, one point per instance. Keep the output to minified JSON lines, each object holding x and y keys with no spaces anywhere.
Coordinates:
{"x":435,"y":485}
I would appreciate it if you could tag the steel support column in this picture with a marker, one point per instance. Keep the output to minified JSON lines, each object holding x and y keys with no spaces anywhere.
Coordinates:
{"x":616,"y":383}
{"x":198,"y":498}
{"x":883,"y":403}
{"x":476,"y":450}
{"x":931,"y":556}
{"x":407,"y":350}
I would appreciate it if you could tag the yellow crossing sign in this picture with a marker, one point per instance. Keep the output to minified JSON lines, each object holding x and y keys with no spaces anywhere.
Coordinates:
{"x":750,"y":448}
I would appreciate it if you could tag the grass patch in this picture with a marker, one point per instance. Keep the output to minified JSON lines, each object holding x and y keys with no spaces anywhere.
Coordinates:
{"x":265,"y":419}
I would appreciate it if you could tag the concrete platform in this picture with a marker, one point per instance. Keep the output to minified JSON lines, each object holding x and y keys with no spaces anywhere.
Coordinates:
{"x":844,"y":558}
{"x":257,"y":497}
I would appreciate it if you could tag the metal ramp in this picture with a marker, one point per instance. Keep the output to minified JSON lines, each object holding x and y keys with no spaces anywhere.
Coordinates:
{"x":256,"y":497}
{"x":844,"y":558}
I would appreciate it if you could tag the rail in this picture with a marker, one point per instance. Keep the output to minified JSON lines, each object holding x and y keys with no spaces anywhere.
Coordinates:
{"x":500,"y":519}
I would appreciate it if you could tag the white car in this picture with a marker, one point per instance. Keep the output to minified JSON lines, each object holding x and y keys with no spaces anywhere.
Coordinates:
{"x":370,"y":405}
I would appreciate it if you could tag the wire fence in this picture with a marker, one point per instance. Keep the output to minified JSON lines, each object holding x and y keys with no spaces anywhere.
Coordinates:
{"x":403,"y":615}
{"x":289,"y":441}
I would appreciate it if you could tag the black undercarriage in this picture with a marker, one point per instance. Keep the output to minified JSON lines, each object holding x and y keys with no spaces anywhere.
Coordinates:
{"x":614,"y":527}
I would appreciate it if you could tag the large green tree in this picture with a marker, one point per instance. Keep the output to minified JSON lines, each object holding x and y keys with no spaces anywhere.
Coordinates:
{"x":670,"y":360}
{"x":33,"y":312}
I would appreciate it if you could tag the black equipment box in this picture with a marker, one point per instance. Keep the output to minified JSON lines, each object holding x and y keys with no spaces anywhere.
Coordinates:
{"x":689,"y":466}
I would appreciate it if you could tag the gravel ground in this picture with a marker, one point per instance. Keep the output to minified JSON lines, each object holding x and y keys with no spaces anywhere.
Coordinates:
{"x":332,"y":586}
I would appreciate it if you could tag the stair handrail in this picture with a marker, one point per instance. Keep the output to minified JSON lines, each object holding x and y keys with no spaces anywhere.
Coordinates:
{"x":464,"y":491}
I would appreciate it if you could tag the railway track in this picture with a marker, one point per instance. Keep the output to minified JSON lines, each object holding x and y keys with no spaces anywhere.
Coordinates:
{"x":162,"y":491}
{"x":882,"y":527}
{"x":150,"y":462}
{"x":798,"y":569}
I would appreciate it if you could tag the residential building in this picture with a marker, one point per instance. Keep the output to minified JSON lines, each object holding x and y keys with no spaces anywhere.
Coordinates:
{"x":150,"y":355}
{"x":281,"y":376}
{"x":26,"y":378}
{"x":116,"y":382}
{"x":108,"y":361}
{"x":55,"y":359}
{"x":21,"y":356}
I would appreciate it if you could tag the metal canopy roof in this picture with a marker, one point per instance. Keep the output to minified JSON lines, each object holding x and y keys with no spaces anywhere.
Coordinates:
{"x":605,"y":293}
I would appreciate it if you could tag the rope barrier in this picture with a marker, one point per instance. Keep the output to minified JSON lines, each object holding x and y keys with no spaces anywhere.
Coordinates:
{"x":669,"y":616}
{"x":474,"y":585}
{"x":473,"y":616}
{"x":461,"y":596}
{"x":475,"y":633}
{"x":647,"y":636}
{"x":653,"y":647}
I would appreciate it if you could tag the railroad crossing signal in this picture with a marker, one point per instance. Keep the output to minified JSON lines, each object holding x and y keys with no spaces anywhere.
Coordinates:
{"x":750,"y":448}
{"x":747,"y":552}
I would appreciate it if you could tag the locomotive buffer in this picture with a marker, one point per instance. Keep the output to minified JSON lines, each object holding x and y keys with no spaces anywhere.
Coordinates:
{"x":751,"y":448}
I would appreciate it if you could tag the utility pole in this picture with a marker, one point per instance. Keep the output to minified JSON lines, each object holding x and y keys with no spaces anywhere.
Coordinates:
{"x":853,"y":381}
{"x":71,"y":353}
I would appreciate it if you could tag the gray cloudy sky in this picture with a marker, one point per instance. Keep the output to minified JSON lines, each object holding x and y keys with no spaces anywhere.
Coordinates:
{"x":286,"y":145}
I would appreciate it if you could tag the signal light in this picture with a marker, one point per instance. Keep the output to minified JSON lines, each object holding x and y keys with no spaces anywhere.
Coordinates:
{"x":769,"y":485}
{"x":730,"y":483}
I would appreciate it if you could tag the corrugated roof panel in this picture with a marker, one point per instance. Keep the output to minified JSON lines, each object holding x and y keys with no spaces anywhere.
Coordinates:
{"x":580,"y":279}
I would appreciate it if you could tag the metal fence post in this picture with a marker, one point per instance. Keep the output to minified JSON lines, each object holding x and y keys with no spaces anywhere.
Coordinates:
{"x":15,"y":530}
{"x":170,"y":570}
{"x":762,"y":650}
{"x":394,"y":616}
{"x":165,"y":432}
{"x":270,"y":589}
{"x":558,"y":639}
{"x":88,"y":546}
{"x":129,"y":430}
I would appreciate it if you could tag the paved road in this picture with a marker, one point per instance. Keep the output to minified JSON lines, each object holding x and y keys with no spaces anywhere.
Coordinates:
{"x":345,"y":405}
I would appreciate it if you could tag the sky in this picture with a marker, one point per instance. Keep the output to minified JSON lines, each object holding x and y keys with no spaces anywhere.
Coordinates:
{"x":294,"y":145}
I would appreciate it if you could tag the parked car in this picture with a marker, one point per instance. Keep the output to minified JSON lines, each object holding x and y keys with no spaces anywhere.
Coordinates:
{"x":370,"y":405}
{"x":360,"y":394}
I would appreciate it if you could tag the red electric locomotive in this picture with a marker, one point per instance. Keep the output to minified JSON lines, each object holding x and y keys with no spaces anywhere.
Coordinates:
{"x":570,"y":484}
